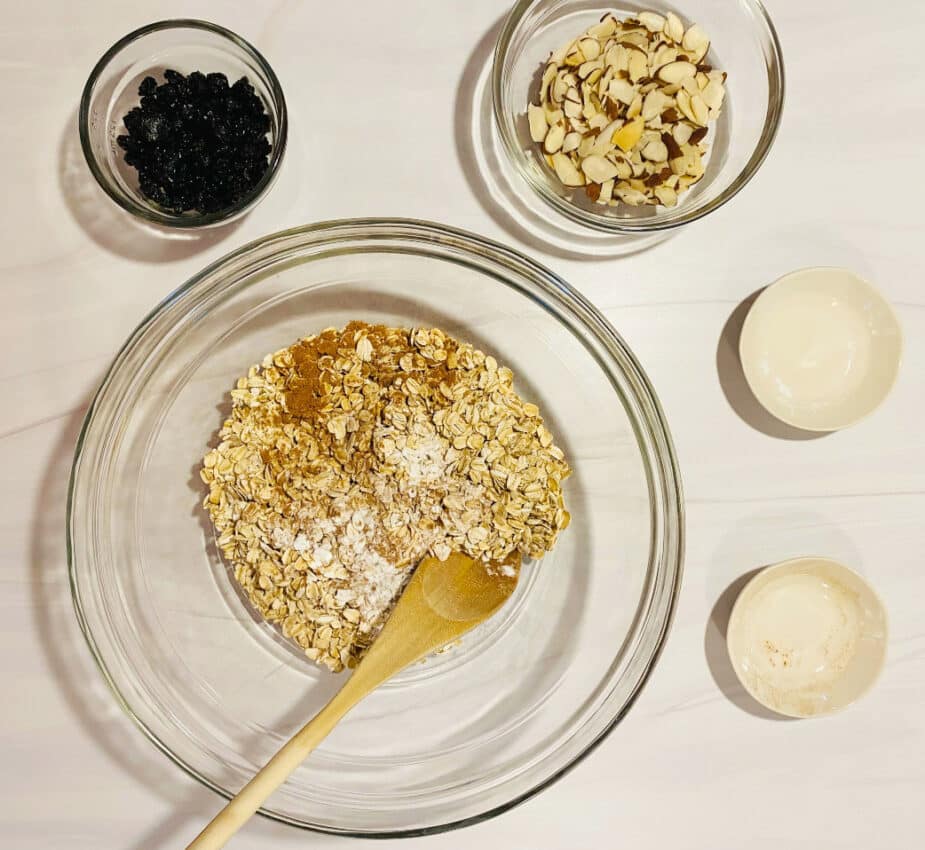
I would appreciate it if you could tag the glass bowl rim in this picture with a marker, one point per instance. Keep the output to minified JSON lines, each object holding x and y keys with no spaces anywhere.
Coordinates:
{"x":663,"y":465}
{"x":166,"y":219}
{"x":669,"y":221}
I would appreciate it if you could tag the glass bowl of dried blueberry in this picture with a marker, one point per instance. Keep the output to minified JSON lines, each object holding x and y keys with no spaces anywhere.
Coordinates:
{"x":183,"y":124}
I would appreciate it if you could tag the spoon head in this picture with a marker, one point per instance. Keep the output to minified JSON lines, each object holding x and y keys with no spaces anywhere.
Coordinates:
{"x":443,"y":601}
{"x":463,"y":590}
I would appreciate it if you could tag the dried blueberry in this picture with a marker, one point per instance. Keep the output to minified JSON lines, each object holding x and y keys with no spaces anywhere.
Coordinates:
{"x":196,"y":142}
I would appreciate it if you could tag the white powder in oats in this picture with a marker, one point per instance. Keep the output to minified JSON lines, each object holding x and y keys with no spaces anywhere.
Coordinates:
{"x":425,"y":461}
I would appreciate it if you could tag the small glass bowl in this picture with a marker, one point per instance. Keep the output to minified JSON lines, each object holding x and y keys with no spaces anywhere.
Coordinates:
{"x":112,"y":90}
{"x":744,"y":44}
{"x":468,"y":733}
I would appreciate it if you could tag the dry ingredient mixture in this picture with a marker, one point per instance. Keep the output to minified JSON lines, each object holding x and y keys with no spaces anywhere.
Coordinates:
{"x":352,"y":454}
{"x":624,"y":109}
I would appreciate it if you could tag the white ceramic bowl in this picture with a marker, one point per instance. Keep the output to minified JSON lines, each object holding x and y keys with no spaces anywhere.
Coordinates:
{"x":807,"y":637}
{"x":821,"y":349}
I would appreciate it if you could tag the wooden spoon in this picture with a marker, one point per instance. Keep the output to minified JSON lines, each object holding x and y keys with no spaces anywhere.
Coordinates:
{"x":443,"y":600}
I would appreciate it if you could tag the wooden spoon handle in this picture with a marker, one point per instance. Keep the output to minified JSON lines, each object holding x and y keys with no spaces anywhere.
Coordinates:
{"x":253,"y":795}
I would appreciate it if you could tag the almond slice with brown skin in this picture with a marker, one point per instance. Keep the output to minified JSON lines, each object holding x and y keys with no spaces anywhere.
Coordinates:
{"x":674,"y":29}
{"x":622,"y":91}
{"x":638,"y":66}
{"x":652,"y":21}
{"x":591,"y":48}
{"x":667,"y":197}
{"x":598,"y":168}
{"x":554,"y":138}
{"x":571,"y":142}
{"x":696,"y":42}
{"x":604,"y":29}
{"x":630,"y":196}
{"x":566,"y":171}
{"x":700,"y":109}
{"x":713,"y":94}
{"x":674,"y":72}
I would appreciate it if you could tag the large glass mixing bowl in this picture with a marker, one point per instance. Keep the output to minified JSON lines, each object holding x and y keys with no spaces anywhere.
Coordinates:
{"x":465,"y":734}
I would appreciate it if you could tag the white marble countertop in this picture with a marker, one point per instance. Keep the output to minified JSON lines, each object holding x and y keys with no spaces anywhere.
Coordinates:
{"x":694,"y":765}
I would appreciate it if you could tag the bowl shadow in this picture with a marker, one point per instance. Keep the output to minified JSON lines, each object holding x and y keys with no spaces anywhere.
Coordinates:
{"x":717,"y":654}
{"x":115,"y":230}
{"x":735,"y":386}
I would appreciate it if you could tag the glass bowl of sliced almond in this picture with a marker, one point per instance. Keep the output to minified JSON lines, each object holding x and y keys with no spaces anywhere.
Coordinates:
{"x":635,"y":119}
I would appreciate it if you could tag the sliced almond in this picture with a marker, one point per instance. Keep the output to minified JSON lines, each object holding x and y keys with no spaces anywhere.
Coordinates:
{"x":679,"y":165}
{"x":598,"y":122}
{"x":674,"y":72}
{"x":587,"y":68}
{"x":636,"y":40}
{"x":697,"y":136}
{"x":663,"y":55}
{"x":700,"y":109}
{"x":572,"y":109}
{"x":682,"y":133}
{"x":713,"y":94}
{"x":629,"y":134}
{"x":683,"y":99}
{"x":598,"y":168}
{"x":635,"y":108}
{"x":606,"y":191}
{"x":571,"y":142}
{"x":624,"y":169}
{"x":666,"y":197}
{"x":654,"y":104}
{"x":553,"y":116}
{"x":604,"y":29}
{"x":537,"y":119}
{"x":655,"y":151}
{"x":652,"y":21}
{"x":575,"y":58}
{"x":554,"y":138}
{"x":630,"y":196}
{"x":587,"y":145}
{"x":596,"y":74}
{"x":696,"y":42}
{"x":559,"y":88}
{"x":557,"y":57}
{"x":622,"y":90}
{"x":673,"y":148}
{"x":638,"y":66}
{"x":591,"y":47}
{"x":566,"y":170}
{"x":670,"y":115}
{"x":674,"y":29}
{"x":617,"y":57}
{"x":549,"y":75}
{"x":689,"y":84}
